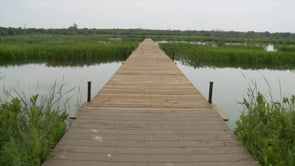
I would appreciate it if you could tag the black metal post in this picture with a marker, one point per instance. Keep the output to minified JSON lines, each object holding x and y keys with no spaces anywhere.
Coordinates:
{"x":210,"y":92}
{"x":173,"y":57}
{"x":89,"y":91}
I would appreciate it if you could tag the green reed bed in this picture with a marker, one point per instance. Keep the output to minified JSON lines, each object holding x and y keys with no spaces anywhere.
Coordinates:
{"x":287,"y":48}
{"x":60,"y":38}
{"x":74,"y":52}
{"x":245,"y":56}
{"x":30,"y":129}
{"x":267,"y":129}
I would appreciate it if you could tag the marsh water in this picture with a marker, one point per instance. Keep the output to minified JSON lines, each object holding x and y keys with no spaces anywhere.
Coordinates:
{"x":230,"y":84}
{"x":31,"y":79}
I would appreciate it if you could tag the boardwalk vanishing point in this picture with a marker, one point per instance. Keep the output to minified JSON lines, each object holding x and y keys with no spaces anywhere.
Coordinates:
{"x":149,"y":114}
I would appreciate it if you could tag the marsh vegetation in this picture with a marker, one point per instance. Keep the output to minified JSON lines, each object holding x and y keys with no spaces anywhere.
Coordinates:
{"x":65,"y":53}
{"x":225,"y":55}
{"x":266,"y":127}
{"x":30,"y":129}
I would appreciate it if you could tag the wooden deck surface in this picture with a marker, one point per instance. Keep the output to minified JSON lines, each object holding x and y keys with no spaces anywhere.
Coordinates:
{"x":149,"y":114}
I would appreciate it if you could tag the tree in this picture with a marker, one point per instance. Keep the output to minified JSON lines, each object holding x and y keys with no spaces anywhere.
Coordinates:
{"x":74,"y":26}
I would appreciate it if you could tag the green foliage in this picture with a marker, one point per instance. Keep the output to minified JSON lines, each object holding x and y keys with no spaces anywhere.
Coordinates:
{"x":245,"y":56}
{"x":29,"y":131}
{"x":60,"y":47}
{"x":171,"y":35}
{"x":267,"y":129}
{"x":67,"y":53}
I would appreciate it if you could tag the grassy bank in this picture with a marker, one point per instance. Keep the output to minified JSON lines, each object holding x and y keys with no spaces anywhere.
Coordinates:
{"x":140,"y":34}
{"x":65,"y":52}
{"x":100,"y":46}
{"x":29,"y":130}
{"x":267,"y":129}
{"x":245,"y":56}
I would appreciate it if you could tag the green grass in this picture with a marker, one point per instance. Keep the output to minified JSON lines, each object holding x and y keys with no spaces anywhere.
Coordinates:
{"x":245,"y":56}
{"x":30,"y":129}
{"x":55,"y":38}
{"x":67,"y":53}
{"x":113,"y":45}
{"x":267,"y":129}
{"x":139,"y":34}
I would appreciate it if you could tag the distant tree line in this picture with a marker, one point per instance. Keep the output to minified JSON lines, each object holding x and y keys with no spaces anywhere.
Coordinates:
{"x":74,"y":30}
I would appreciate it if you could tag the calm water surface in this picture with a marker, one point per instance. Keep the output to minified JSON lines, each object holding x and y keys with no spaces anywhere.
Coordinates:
{"x":39,"y":78}
{"x":230,"y":84}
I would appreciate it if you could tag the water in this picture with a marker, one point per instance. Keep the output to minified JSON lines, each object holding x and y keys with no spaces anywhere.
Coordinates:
{"x":190,"y":42}
{"x":31,"y":79}
{"x":268,"y":47}
{"x":230,"y":84}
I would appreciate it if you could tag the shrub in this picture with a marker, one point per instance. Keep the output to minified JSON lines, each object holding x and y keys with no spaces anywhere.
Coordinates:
{"x":267,"y":129}
{"x":29,"y":130}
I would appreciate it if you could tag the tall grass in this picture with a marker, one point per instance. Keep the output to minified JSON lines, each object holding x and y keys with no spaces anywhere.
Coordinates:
{"x":65,"y":52}
{"x":29,"y":129}
{"x":59,"y":38}
{"x":267,"y":129}
{"x":231,"y":55}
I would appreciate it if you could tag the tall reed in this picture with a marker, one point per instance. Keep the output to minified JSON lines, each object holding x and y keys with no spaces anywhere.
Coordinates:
{"x":29,"y":129}
{"x":267,"y":129}
{"x":65,"y":52}
{"x":231,"y":55}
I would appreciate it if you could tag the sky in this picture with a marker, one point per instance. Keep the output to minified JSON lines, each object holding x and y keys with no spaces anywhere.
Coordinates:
{"x":227,"y":15}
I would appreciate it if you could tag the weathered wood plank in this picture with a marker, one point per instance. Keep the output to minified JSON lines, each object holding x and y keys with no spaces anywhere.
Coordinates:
{"x":149,"y":114}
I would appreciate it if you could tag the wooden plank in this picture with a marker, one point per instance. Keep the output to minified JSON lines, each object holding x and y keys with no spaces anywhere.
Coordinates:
{"x":149,"y":114}
{"x":74,"y":115}
{"x":222,"y":115}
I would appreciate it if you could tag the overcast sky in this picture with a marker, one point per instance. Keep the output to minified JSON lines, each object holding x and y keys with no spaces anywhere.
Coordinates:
{"x":238,"y":15}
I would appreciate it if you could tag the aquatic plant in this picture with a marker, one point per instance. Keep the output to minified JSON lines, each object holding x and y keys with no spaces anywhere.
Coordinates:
{"x":30,"y":129}
{"x":245,"y":56}
{"x":267,"y":129}
{"x":65,"y":52}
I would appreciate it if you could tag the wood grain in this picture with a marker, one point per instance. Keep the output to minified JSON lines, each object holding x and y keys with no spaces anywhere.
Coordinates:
{"x":149,"y":114}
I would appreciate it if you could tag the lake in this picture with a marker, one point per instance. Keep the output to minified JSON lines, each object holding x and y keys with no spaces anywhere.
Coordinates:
{"x":31,"y":79}
{"x":230,"y":84}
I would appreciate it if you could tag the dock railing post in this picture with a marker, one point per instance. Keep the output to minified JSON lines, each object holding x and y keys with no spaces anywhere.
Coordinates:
{"x":210,"y":92}
{"x":89,"y":91}
{"x":173,"y":57}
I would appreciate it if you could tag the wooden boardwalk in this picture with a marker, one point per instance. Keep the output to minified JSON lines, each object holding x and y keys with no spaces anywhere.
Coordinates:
{"x":149,"y":114}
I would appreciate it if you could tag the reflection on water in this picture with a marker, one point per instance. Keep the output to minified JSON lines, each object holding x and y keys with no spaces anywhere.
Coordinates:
{"x":270,"y":48}
{"x":190,"y":42}
{"x":64,"y":62}
{"x":38,"y":78}
{"x":230,"y":85}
